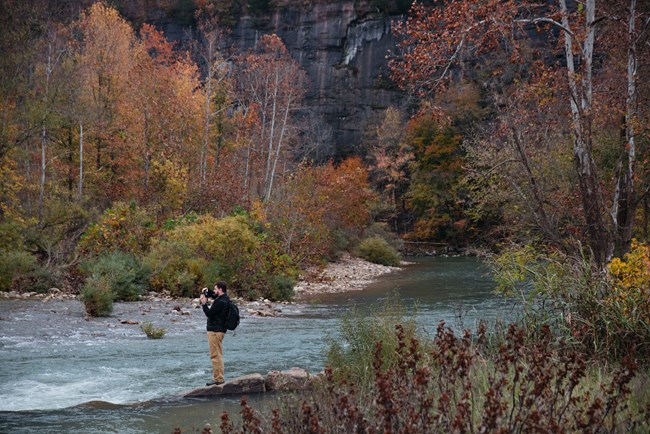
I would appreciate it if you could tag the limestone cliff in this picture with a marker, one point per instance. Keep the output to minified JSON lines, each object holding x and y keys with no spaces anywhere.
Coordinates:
{"x":341,"y":44}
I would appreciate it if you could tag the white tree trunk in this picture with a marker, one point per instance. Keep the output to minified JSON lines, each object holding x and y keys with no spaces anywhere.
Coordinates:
{"x":81,"y":160}
{"x":41,"y":195}
{"x":278,"y":147}
{"x":267,"y":176}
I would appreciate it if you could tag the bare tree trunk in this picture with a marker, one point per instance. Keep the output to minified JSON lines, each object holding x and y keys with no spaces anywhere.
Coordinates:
{"x":625,"y":201}
{"x":147,"y":157}
{"x":41,"y":194}
{"x":278,"y":147}
{"x":81,"y":160}
{"x":269,"y":157}
{"x":203,"y":163}
{"x":537,"y":207}
{"x":600,"y":237}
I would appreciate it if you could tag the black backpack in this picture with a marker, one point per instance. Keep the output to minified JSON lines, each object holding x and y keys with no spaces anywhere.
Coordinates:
{"x":232,"y":319}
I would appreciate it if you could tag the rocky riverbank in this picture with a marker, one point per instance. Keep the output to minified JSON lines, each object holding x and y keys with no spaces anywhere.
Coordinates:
{"x":346,"y":274}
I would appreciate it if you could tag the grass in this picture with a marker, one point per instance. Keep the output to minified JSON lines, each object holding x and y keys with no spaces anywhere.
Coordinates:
{"x":152,"y":331}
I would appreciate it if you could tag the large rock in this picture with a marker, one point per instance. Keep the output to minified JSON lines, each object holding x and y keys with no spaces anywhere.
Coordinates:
{"x":252,"y":383}
{"x":284,"y":381}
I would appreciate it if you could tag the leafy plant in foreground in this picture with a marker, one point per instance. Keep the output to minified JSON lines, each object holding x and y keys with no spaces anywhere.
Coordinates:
{"x":152,"y":331}
{"x":459,"y":387}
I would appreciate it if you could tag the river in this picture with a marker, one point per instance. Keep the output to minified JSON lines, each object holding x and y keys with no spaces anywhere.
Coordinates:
{"x":63,"y":373}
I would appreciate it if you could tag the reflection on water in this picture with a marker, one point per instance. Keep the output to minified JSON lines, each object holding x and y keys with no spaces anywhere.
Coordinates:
{"x":53,"y":360}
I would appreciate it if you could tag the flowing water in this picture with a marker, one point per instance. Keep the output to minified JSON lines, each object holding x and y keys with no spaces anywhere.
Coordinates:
{"x":60,"y":372}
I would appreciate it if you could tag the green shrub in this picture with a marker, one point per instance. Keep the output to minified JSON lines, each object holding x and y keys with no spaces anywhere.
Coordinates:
{"x":281,"y":288}
{"x":378,"y":251}
{"x":97,"y":297}
{"x":125,"y":275}
{"x":350,"y":354}
{"x":234,"y":249}
{"x":152,"y":331}
{"x":20,"y":271}
{"x":173,"y":267}
{"x":575,"y":298}
{"x":199,"y":253}
{"x":15,"y":265}
{"x":382,"y":230}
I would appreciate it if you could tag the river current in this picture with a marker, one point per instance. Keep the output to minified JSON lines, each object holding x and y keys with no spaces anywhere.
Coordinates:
{"x":61,"y":372}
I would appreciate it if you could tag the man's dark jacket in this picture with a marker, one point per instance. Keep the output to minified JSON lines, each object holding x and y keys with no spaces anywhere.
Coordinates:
{"x":217,"y":314}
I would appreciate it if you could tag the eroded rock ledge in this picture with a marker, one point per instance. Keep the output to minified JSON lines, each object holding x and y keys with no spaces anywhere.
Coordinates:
{"x":282,"y":381}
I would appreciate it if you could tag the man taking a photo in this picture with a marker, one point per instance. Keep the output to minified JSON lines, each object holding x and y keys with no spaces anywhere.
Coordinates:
{"x":217,"y":314}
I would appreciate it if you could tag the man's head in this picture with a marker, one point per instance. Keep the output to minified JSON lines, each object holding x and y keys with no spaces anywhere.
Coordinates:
{"x":220,"y":288}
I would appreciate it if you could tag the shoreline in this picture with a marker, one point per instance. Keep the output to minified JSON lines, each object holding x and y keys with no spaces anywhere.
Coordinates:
{"x":348,"y":273}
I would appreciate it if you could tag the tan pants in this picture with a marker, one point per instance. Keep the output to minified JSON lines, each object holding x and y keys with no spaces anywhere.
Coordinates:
{"x":214,"y":340}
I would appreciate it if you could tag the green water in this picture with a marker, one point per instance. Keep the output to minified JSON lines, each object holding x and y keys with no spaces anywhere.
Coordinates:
{"x":63,"y":373}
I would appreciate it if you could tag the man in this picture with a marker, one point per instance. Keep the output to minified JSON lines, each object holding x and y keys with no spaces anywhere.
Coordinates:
{"x":217,"y":314}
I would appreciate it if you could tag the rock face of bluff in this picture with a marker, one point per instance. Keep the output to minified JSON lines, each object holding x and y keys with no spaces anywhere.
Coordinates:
{"x":342,"y":45}
{"x":343,"y":48}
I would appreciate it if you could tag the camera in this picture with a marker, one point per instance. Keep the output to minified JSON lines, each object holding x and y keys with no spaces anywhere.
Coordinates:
{"x":209,"y":293}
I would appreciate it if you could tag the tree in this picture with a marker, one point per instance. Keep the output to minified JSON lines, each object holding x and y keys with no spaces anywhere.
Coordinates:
{"x":435,"y":195}
{"x":438,"y":39}
{"x":272,"y":84}
{"x":162,"y":111}
{"x":106,"y":54}
{"x":320,"y":210}
{"x":390,"y":157}
{"x":216,"y":89}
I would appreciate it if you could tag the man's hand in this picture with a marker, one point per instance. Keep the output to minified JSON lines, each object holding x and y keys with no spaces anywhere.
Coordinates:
{"x":203,"y":299}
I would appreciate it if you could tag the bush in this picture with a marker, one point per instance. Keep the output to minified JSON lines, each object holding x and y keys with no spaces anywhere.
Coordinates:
{"x":452,"y":384}
{"x":630,"y":283}
{"x":15,"y":265}
{"x":281,"y":288}
{"x":124,"y":274}
{"x":383,"y":231}
{"x":188,"y":255}
{"x":152,"y":331}
{"x":209,"y":249}
{"x":605,"y":318}
{"x":378,"y":251}
{"x":351,"y":354}
{"x":125,"y":228}
{"x":174,"y":268}
{"x":97,"y":297}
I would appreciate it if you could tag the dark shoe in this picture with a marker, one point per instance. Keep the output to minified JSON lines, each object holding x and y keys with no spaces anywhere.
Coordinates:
{"x":214,"y":383}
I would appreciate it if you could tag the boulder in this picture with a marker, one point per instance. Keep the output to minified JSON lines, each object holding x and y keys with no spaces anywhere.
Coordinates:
{"x":290,"y":380}
{"x":252,"y":383}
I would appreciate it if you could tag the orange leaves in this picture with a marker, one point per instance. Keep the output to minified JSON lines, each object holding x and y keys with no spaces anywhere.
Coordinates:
{"x":156,"y":45}
{"x":346,"y":192}
{"x":437,"y":40}
{"x":318,"y":206}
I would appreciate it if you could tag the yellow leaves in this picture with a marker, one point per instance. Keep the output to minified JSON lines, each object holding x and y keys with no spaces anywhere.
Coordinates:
{"x":10,"y":184}
{"x":631,"y":282}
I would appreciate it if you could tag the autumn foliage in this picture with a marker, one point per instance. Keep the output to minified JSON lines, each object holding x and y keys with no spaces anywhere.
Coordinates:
{"x":183,"y":160}
{"x":631,"y":280}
